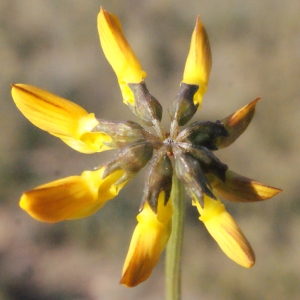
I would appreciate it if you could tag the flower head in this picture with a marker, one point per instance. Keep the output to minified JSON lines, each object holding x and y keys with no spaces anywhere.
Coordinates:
{"x":185,"y":153}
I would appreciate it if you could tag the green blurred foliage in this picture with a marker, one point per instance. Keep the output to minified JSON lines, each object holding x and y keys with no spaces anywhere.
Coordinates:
{"x":53,"y":44}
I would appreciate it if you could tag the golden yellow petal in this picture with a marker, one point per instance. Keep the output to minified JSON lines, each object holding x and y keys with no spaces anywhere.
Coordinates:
{"x":148,"y":241}
{"x":48,"y":111}
{"x":71,"y":197}
{"x":60,"y":117}
{"x":119,"y":53}
{"x":198,"y":64}
{"x":225,"y":231}
{"x":238,"y":188}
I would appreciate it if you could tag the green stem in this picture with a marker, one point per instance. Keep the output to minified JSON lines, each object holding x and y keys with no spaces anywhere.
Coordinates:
{"x":174,"y":247}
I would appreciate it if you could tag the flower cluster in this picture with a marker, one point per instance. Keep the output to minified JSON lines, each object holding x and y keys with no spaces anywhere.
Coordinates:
{"x":184,"y":152}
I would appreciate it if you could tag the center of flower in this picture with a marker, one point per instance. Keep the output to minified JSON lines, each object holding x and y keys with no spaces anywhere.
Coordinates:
{"x":188,"y":152}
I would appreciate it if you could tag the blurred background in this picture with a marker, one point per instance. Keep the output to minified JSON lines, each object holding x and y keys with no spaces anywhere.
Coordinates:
{"x":53,"y":44}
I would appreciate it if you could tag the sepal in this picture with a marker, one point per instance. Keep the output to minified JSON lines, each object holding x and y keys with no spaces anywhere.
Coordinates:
{"x":145,"y":107}
{"x":183,"y":107}
{"x":131,"y":159}
{"x":208,"y":161}
{"x":122,"y":133}
{"x":202,"y":134}
{"x":189,"y":172}
{"x":159,"y":179}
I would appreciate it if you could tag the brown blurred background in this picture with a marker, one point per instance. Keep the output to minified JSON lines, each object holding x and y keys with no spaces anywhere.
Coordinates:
{"x":53,"y":44}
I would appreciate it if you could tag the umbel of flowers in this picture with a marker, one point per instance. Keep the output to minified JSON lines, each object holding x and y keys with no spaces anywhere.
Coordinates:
{"x":184,"y":152}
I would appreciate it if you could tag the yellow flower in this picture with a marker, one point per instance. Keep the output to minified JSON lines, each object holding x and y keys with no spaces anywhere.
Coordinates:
{"x":198,"y":63}
{"x":225,"y":231}
{"x":148,"y":241}
{"x":186,"y":154}
{"x":71,"y":197}
{"x":60,"y":117}
{"x":119,"y":54}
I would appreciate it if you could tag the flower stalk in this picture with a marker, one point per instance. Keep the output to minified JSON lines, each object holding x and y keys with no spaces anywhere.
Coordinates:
{"x":174,"y":247}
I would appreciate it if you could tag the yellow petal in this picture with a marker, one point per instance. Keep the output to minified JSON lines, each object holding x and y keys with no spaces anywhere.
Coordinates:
{"x":238,"y":188}
{"x":119,"y":53}
{"x":60,"y":117}
{"x":148,"y":241}
{"x":198,"y":64}
{"x":71,"y":197}
{"x":225,"y":231}
{"x":236,"y":124}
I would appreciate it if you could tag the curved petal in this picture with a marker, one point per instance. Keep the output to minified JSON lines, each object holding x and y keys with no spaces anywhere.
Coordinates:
{"x":148,"y":241}
{"x":60,"y":117}
{"x":119,"y":54}
{"x":198,"y":64}
{"x":225,"y":231}
{"x":238,"y":188}
{"x":236,"y":124}
{"x":71,"y":197}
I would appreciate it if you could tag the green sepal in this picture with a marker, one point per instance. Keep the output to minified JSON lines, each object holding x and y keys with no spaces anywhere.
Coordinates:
{"x":159,"y":178}
{"x":146,"y":107}
{"x":122,"y":133}
{"x":183,"y":108}
{"x":131,"y":159}
{"x":208,"y":161}
{"x":189,"y":172}
{"x":203,"y":134}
